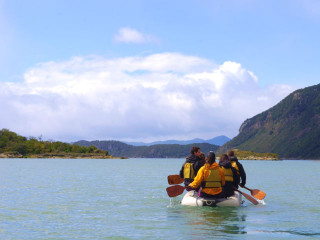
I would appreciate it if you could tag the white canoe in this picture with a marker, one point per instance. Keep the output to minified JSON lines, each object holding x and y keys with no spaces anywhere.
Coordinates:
{"x":191,"y":198}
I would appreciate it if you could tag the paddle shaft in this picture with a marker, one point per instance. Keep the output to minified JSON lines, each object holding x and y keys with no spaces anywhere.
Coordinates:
{"x":247,"y":196}
{"x":247,"y":188}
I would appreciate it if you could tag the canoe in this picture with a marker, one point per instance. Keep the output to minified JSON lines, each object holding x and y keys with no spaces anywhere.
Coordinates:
{"x":191,"y":198}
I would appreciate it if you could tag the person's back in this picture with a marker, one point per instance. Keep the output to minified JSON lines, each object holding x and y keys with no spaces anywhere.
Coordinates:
{"x":238,"y":166}
{"x":211,"y":179}
{"x":191,"y":166}
{"x":231,"y":176}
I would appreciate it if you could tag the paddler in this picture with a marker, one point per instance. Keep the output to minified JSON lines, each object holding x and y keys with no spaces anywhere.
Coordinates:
{"x":211,"y":179}
{"x":191,"y":166}
{"x":238,"y":166}
{"x":231,"y":176}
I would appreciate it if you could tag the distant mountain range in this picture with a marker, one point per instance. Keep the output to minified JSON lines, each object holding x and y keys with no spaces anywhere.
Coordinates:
{"x":220,"y":140}
{"x":120,"y":149}
{"x":291,"y":128}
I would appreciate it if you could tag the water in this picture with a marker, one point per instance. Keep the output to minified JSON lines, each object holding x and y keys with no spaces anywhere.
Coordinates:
{"x":126,"y":199}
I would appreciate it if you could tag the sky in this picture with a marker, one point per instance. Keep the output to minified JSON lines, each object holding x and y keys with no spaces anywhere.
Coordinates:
{"x":144,"y":70}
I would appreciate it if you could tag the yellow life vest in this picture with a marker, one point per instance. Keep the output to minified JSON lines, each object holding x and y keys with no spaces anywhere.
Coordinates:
{"x":213,"y":180}
{"x":188,"y":172}
{"x":235,"y":165}
{"x":228,"y":174}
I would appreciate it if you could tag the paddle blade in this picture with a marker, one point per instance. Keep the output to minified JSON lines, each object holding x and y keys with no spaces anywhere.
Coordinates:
{"x":175,"y":190}
{"x":258,"y":194}
{"x":175,"y":179}
{"x":247,"y":196}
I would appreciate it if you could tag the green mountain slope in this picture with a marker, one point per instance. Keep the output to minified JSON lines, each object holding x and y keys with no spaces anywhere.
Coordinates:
{"x":120,"y":149}
{"x":291,"y":128}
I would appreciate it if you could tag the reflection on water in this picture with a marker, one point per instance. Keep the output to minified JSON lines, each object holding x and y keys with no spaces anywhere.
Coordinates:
{"x":216,"y":220}
{"x":207,"y":221}
{"x":299,"y":233}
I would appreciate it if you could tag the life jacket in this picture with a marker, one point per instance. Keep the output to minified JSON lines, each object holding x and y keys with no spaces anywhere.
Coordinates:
{"x":188,"y":172}
{"x":235,"y":165}
{"x":213,"y":180}
{"x":228,"y":174}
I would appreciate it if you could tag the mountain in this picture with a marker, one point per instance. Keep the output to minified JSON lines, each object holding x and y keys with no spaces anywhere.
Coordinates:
{"x":120,"y":149}
{"x":291,"y":128}
{"x":220,"y":140}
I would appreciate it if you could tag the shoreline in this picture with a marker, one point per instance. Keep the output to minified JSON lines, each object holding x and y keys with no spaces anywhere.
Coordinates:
{"x":59,"y":155}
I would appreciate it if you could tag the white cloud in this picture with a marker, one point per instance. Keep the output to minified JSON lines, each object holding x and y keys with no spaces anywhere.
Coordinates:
{"x":160,"y":96}
{"x":130,"y":35}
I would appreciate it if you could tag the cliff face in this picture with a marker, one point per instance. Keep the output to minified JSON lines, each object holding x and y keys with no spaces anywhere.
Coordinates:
{"x":290,"y":129}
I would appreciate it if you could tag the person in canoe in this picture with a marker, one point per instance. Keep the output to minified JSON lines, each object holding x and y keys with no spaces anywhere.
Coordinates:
{"x":203,"y":158}
{"x":238,"y":166}
{"x":211,"y":179}
{"x":231,"y":176}
{"x":191,"y":167}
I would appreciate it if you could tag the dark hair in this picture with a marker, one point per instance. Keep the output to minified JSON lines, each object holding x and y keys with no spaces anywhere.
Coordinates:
{"x":202,"y":157}
{"x":230,"y":153}
{"x":194,"y":149}
{"x":211,"y":157}
{"x":224,"y":158}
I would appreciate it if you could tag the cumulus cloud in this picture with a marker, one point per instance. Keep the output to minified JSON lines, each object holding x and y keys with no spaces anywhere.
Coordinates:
{"x":130,"y":35}
{"x":156,"y":97}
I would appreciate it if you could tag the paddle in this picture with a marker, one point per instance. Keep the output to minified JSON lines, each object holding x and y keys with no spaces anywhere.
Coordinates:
{"x":247,"y":196}
{"x":175,"y":179}
{"x":175,"y":190}
{"x":258,"y":194}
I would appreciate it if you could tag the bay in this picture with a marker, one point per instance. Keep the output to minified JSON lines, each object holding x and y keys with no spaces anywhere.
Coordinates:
{"x":126,"y":199}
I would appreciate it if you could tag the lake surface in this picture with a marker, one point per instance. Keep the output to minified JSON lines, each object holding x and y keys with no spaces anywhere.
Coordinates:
{"x":126,"y":199}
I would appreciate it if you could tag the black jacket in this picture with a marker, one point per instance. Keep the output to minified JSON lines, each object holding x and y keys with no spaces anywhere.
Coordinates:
{"x":241,"y":170}
{"x":196,"y":161}
{"x":236,"y":177}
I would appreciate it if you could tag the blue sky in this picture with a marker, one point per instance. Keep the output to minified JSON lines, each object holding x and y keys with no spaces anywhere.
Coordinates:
{"x":151,"y":70}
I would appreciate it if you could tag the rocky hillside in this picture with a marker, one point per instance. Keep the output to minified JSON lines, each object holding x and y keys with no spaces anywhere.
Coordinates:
{"x":291,"y":128}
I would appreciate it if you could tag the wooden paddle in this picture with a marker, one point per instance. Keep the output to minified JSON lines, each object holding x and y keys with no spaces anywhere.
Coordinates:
{"x":247,"y":196}
{"x":175,"y":190}
{"x":258,"y":194}
{"x":175,"y":179}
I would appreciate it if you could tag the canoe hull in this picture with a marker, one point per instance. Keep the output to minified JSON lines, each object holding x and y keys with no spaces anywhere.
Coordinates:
{"x":191,"y":198}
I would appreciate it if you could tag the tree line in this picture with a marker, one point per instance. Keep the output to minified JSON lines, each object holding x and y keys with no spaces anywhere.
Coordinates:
{"x":12,"y":142}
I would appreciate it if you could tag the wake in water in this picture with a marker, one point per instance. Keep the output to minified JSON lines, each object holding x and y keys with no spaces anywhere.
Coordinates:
{"x":262,"y":202}
{"x":174,"y":202}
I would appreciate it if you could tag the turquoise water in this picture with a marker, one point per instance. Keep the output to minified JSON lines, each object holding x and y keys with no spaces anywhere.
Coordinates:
{"x":126,"y":199}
